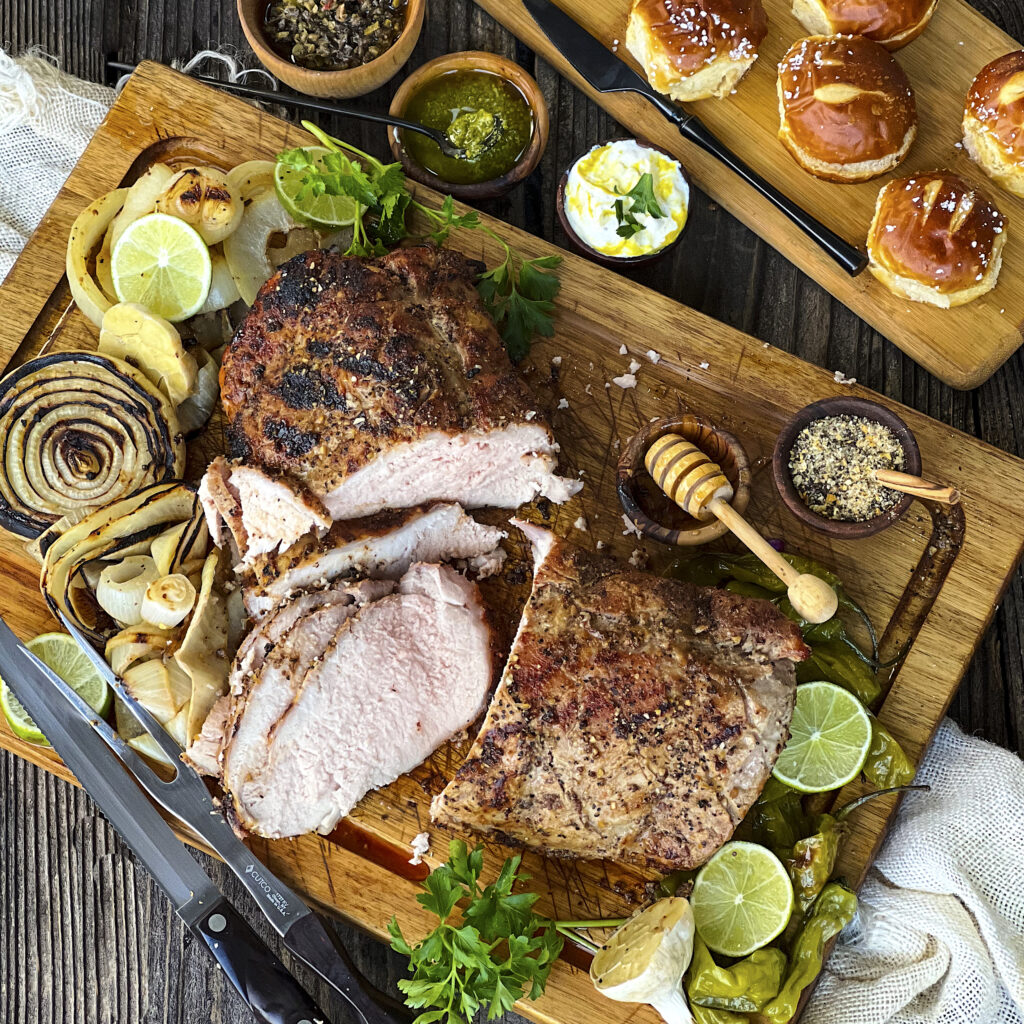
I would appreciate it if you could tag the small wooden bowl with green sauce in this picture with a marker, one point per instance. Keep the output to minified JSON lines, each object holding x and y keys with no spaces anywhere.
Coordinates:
{"x":842,"y":406}
{"x":467,"y":81}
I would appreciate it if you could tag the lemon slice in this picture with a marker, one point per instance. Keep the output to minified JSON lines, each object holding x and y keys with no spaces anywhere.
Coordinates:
{"x":163,"y":264}
{"x":325,"y":209}
{"x":61,"y":653}
{"x":829,"y":739}
{"x":742,"y":899}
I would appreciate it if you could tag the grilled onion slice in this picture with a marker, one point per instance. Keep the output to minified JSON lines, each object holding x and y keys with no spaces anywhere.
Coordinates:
{"x":78,"y":431}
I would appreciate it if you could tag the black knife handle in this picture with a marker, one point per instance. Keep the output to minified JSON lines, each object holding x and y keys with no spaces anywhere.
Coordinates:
{"x":272,"y":994}
{"x":309,"y":940}
{"x":848,"y":256}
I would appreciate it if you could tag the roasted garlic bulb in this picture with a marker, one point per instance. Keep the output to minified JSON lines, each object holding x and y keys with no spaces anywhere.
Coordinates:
{"x":202,"y":197}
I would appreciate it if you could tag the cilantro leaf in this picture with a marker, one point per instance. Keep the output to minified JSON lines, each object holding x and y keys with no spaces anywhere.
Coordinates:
{"x":644,"y":199}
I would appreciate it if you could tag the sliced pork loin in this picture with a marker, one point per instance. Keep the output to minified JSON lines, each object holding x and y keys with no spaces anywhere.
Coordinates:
{"x":381,"y":546}
{"x":206,"y":751}
{"x":383,"y":383}
{"x":261,"y":514}
{"x":347,"y":696}
{"x":638,"y":717}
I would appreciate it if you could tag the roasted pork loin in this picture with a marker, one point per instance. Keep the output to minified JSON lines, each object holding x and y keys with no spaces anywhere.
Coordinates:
{"x":383,"y":383}
{"x":382,"y":546}
{"x":343,"y":690}
{"x":638,"y":718}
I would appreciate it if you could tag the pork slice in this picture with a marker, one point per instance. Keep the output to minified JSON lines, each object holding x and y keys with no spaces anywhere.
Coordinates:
{"x":221,"y":506}
{"x":397,"y":680}
{"x":204,"y":753}
{"x":383,"y":546}
{"x":638,"y":718}
{"x":504,"y":468}
{"x":383,"y":383}
{"x":275,"y":512}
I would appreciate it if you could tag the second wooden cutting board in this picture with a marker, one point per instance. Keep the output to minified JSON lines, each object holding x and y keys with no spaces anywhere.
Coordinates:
{"x":962,"y":346}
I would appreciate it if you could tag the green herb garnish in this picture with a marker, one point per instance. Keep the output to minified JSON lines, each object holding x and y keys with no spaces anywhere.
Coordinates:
{"x":518,"y":293}
{"x":642,"y":200}
{"x":498,"y":951}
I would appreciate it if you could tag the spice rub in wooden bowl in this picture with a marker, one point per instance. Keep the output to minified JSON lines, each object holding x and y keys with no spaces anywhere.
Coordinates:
{"x":856,"y":408}
{"x":647,"y":506}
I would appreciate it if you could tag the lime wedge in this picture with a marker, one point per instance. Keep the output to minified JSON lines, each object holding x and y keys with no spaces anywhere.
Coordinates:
{"x":163,"y":264}
{"x":829,"y":739}
{"x":325,"y":210}
{"x":61,"y":653}
{"x":742,"y":899}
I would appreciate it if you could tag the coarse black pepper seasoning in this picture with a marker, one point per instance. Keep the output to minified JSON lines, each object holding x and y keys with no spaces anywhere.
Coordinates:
{"x":832,"y":464}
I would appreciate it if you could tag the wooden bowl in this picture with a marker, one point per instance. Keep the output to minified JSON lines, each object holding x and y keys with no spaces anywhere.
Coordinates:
{"x":355,"y":81}
{"x":841,"y":407}
{"x":649,"y":508}
{"x":618,"y":262}
{"x":473,"y":60}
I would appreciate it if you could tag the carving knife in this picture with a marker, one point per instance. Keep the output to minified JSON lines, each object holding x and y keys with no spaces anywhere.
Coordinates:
{"x":606,"y":72}
{"x":186,"y":797}
{"x":272,"y":994}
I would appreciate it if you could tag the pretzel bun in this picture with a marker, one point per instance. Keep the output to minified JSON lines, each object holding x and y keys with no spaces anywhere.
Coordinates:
{"x":846,"y":109}
{"x":893,"y":23}
{"x":935,"y":239}
{"x":695,"y":49}
{"x":994,"y":121}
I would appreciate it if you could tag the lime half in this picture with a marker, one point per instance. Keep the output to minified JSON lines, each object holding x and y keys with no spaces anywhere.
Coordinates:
{"x":742,"y":899}
{"x":163,"y":264}
{"x":61,"y":653}
{"x":829,"y":739}
{"x":300,"y":200}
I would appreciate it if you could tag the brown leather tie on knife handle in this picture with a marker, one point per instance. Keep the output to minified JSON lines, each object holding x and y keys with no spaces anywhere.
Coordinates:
{"x":700,"y":488}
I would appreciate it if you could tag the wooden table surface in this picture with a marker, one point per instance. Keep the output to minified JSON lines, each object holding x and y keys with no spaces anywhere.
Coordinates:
{"x":86,"y":936}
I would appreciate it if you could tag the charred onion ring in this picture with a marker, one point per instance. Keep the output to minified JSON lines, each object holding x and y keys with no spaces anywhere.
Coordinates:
{"x":80,"y":430}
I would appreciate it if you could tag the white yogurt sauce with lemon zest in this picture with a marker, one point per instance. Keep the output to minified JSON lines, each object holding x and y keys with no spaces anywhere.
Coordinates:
{"x":606,"y":174}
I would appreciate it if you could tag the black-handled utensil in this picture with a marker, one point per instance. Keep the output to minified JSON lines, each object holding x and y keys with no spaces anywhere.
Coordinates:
{"x":187,"y":798}
{"x":449,"y":148}
{"x":605,"y":72}
{"x":272,"y":994}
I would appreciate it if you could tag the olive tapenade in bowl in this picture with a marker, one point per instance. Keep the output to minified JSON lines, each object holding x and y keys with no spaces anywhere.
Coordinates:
{"x":334,"y":48}
{"x":488,"y":106}
{"x":825,"y":459}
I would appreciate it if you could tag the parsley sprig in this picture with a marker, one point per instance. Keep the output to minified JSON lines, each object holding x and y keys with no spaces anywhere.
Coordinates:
{"x":519,"y":293}
{"x":642,"y":200}
{"x":500,"y":950}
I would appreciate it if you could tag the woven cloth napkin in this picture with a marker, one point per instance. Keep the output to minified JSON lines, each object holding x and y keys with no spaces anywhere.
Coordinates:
{"x":939,"y":937}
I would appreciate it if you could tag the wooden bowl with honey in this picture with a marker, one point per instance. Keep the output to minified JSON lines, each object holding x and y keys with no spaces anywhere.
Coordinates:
{"x":647,"y":506}
{"x":854,"y":409}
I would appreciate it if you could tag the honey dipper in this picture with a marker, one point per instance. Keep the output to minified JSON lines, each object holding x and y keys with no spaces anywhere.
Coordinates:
{"x":700,"y":488}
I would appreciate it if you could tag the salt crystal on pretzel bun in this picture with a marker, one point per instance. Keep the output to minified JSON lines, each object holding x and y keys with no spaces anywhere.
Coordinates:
{"x":695,"y":49}
{"x":893,"y":23}
{"x":936,"y":239}
{"x":846,"y":108}
{"x":994,"y":121}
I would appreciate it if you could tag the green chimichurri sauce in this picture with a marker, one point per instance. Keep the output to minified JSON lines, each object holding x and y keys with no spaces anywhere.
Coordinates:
{"x":445,"y":101}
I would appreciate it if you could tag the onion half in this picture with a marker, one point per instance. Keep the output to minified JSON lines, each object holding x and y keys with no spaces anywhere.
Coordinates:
{"x":78,"y":431}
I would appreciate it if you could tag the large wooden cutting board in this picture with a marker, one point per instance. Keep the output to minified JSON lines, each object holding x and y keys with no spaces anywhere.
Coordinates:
{"x":962,"y":346}
{"x":705,"y":367}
